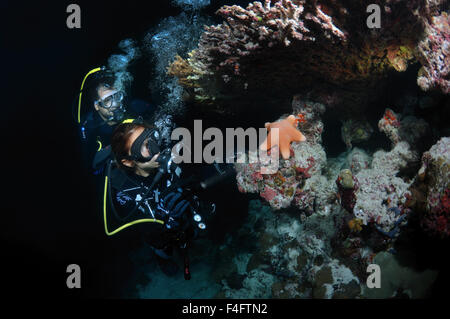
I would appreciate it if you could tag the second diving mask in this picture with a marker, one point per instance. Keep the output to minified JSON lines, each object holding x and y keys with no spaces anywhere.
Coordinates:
{"x":113,"y":103}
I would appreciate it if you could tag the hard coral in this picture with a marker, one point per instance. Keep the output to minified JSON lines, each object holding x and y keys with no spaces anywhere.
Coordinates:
{"x":389,"y":124}
{"x":297,"y":178}
{"x":434,"y":54}
{"x":435,"y":173}
{"x":357,"y":159}
{"x":409,"y":128}
{"x":282,"y":46}
{"x":355,"y":225}
{"x":382,"y":195}
{"x":347,"y":186}
{"x":355,"y":131}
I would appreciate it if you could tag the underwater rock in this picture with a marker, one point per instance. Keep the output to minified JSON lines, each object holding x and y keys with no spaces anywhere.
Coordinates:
{"x":318,"y":261}
{"x":355,"y":225}
{"x":332,"y":280}
{"x":347,"y":186}
{"x":309,"y":117}
{"x":276,"y":48}
{"x":355,"y":131}
{"x":389,"y":125}
{"x":357,"y":160}
{"x":302,"y":261}
{"x":409,"y":129}
{"x":298,"y":178}
{"x":234,"y":280}
{"x":381,"y":196}
{"x":258,"y":284}
{"x":323,"y":276}
{"x":278,"y":291}
{"x":349,"y":291}
{"x":256,"y":260}
{"x":346,"y":179}
{"x":317,"y":196}
{"x":281,"y":188}
{"x":413,"y":129}
{"x":433,"y":52}
{"x":395,"y":276}
{"x":223,"y":269}
{"x":435,"y":174}
{"x":294,"y":251}
{"x":394,"y":160}
{"x":266,"y":241}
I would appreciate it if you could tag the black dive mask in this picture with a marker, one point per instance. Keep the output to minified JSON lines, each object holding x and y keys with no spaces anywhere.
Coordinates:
{"x":148,"y":139}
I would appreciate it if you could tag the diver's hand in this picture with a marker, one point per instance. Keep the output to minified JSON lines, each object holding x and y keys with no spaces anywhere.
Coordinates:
{"x":175,"y":203}
{"x":151,"y":163}
{"x":175,"y":207}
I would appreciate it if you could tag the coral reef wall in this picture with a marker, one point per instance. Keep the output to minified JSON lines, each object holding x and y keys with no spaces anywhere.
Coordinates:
{"x":434,"y":54}
{"x":316,"y":238}
{"x":298,"y":179}
{"x":321,"y":47}
{"x":369,"y":189}
{"x":431,"y":190}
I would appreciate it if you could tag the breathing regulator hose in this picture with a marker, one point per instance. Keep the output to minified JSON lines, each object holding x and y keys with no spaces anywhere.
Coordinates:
{"x":139,"y":221}
{"x":81,"y":90}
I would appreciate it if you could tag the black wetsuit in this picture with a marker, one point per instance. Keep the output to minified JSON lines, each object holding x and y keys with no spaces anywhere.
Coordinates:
{"x":130,"y":193}
{"x":94,"y":130}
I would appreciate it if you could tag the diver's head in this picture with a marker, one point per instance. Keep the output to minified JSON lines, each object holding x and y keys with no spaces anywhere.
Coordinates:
{"x":135,"y":149}
{"x":109,"y":103}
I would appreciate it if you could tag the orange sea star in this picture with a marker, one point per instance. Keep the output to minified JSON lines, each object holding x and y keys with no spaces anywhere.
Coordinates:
{"x":287,"y":133}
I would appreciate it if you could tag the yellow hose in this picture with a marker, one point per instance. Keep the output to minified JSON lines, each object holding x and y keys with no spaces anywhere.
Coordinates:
{"x":100,"y":145}
{"x":139,"y":221}
{"x":81,"y":91}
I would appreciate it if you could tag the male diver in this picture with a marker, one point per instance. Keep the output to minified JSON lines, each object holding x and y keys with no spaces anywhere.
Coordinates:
{"x":106,"y":107}
{"x":145,"y":190}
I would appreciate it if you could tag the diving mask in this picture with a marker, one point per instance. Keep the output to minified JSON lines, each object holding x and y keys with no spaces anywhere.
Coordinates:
{"x":147,"y":139}
{"x":113,"y":103}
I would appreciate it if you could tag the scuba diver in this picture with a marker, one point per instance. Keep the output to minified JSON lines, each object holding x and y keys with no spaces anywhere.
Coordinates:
{"x":105,"y":107}
{"x":146,"y":190}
